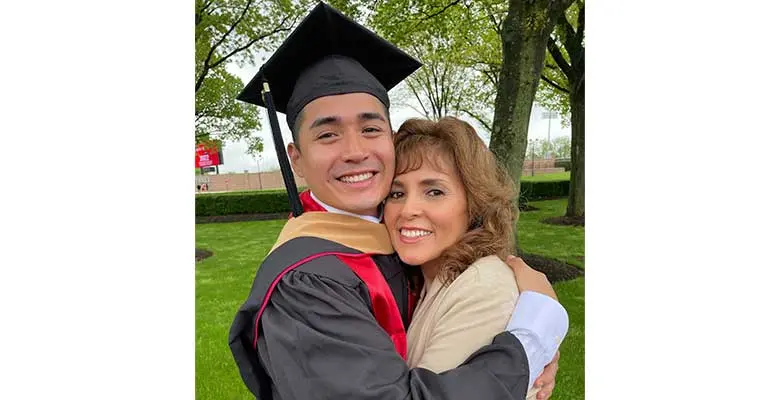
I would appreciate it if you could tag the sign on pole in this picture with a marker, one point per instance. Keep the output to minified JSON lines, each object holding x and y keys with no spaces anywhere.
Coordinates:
{"x":206,"y":157}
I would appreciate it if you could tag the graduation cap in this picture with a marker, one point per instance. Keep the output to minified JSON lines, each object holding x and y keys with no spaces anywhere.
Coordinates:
{"x":327,"y":54}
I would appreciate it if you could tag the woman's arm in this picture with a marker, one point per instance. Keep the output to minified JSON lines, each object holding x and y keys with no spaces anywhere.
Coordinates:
{"x":476,"y":307}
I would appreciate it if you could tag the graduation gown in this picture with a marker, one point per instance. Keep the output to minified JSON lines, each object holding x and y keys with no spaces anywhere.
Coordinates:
{"x":326,"y":319}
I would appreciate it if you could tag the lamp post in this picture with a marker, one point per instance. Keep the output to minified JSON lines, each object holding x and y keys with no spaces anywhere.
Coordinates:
{"x":549,"y":115}
{"x":259,"y":180}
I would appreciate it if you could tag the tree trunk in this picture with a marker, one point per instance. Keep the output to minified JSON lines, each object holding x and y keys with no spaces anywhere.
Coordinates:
{"x":576,"y":207}
{"x":524,"y":36}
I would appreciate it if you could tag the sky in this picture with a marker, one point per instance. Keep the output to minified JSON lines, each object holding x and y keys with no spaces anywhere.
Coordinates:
{"x":237,"y":160}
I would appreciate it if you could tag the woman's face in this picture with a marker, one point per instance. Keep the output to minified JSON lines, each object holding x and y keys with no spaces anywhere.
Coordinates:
{"x":426,"y":212}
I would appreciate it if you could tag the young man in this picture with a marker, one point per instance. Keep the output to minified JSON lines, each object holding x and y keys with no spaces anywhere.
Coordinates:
{"x":327,"y":312}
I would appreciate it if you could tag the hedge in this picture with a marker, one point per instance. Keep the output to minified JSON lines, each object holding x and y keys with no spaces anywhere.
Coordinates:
{"x":259,"y":202}
{"x":239,"y":192}
{"x":274,"y":202}
{"x":564,"y":163}
{"x":544,"y":190}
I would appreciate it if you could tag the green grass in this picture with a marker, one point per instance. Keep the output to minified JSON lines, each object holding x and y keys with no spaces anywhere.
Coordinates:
{"x":223,"y":280}
{"x":557,"y":176}
{"x":563,"y":243}
{"x":570,"y":381}
{"x":222,"y":283}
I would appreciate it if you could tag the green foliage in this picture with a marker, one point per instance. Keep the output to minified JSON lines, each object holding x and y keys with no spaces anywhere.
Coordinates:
{"x":217,"y":113}
{"x":560,"y":147}
{"x":551,"y":97}
{"x":462,"y":37}
{"x":257,"y":202}
{"x":351,"y":8}
{"x":564,"y":163}
{"x":232,"y":31}
{"x":537,"y":149}
{"x":439,"y":88}
{"x":554,"y":89}
{"x":255,"y":146}
{"x":460,"y":50}
{"x":235,"y":30}
{"x":544,"y":189}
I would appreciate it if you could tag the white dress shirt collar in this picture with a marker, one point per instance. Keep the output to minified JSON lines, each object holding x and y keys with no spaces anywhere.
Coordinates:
{"x":369,"y":218}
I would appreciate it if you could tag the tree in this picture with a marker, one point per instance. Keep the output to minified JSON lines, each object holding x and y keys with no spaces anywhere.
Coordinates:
{"x":443,"y":86}
{"x":439,"y":85}
{"x":232,"y":31}
{"x":524,"y":34}
{"x":559,"y":147}
{"x":458,"y":46}
{"x":567,"y":49}
{"x":505,"y":41}
{"x":502,"y":42}
{"x":562,"y":147}
{"x":553,"y":92}
{"x":536,"y":149}
{"x":217,"y":113}
{"x":255,"y":146}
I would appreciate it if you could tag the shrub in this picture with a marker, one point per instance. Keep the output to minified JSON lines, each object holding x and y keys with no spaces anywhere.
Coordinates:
{"x":275,"y":201}
{"x":543,"y":190}
{"x":257,"y":202}
{"x":564,"y":163}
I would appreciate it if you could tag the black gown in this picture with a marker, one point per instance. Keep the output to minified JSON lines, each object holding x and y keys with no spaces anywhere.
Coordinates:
{"x":323,"y":331}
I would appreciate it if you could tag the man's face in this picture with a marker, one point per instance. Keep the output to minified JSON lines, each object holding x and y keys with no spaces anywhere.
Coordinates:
{"x":346,"y":151}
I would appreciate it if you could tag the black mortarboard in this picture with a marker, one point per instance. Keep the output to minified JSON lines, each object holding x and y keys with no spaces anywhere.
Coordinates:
{"x":327,"y":54}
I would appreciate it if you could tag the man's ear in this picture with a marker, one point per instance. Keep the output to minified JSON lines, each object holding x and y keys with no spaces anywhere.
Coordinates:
{"x":295,"y":158}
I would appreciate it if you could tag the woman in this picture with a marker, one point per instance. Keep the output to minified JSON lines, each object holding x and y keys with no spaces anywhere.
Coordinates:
{"x":451,"y":210}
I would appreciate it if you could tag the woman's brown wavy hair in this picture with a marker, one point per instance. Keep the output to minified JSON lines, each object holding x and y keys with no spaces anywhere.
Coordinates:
{"x":490,"y":192}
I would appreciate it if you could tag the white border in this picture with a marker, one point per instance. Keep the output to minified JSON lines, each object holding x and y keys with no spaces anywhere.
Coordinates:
{"x":681,"y":188}
{"x":97,"y":288}
{"x":98,"y":283}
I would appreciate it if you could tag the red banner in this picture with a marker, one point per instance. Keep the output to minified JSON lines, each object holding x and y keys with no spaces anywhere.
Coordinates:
{"x":206,"y":157}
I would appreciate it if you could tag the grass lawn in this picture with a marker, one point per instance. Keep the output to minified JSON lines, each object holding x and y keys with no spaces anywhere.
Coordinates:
{"x":564,"y":243}
{"x":222,"y":283}
{"x":557,"y":176}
